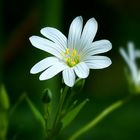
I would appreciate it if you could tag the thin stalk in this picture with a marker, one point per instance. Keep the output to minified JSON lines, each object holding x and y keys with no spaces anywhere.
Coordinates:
{"x":69,"y":100}
{"x":52,"y":13}
{"x":1,"y":38}
{"x":21,"y":98}
{"x":61,"y":103}
{"x":58,"y":114}
{"x":3,"y":125}
{"x":99,"y":118}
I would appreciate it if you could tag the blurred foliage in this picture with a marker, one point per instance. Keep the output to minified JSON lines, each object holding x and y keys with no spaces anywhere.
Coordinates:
{"x":118,"y":21}
{"x":4,"y":106}
{"x":25,"y":118}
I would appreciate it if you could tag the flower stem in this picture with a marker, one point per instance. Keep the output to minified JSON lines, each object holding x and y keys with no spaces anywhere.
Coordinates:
{"x":99,"y":118}
{"x":62,"y":99}
{"x":59,"y":112}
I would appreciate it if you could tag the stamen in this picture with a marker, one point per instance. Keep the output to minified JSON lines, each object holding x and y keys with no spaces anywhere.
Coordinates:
{"x":71,"y":57}
{"x":67,"y":51}
{"x":74,"y":52}
{"x":79,"y":56}
{"x":67,"y":59}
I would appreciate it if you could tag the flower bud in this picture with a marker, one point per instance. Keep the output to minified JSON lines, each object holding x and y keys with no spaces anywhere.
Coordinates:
{"x":46,"y":96}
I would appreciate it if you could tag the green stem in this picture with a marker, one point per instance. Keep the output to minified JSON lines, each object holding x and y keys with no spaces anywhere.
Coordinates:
{"x":3,"y":124}
{"x":69,"y":100}
{"x":99,"y":118}
{"x":21,"y":98}
{"x":62,"y":99}
{"x":51,"y":16}
{"x":58,"y":114}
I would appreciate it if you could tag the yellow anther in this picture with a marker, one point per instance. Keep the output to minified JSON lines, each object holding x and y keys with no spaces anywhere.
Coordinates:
{"x":71,"y":57}
{"x":67,"y":51}
{"x":78,"y":56}
{"x":67,"y":59}
{"x":74,"y":52}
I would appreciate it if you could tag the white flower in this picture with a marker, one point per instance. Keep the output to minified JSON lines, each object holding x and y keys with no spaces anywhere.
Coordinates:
{"x":73,"y":56}
{"x":130,"y":59}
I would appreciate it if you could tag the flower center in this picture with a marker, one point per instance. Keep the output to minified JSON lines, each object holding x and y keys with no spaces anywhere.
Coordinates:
{"x":71,"y":57}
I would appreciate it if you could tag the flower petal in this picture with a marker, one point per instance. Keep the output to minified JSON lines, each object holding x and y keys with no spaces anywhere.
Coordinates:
{"x":69,"y":77}
{"x":137,"y":53}
{"x":131,"y":51}
{"x":98,"y":62}
{"x":75,"y":32}
{"x":46,"y":45}
{"x":44,"y":64}
{"x":138,"y":79}
{"x":52,"y":71}
{"x":134,"y":70}
{"x":97,"y":47}
{"x":124,"y":55}
{"x":89,"y":31}
{"x":55,"y":35}
{"x":131,"y":64}
{"x":81,"y":70}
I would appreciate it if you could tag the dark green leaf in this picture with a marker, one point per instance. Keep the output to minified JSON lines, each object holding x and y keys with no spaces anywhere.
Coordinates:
{"x":70,"y":116}
{"x":4,"y":99}
{"x":36,"y":112}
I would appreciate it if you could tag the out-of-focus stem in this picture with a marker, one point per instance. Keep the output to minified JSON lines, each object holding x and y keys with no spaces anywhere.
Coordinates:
{"x":52,"y":17}
{"x":99,"y":118}
{"x":1,"y":39}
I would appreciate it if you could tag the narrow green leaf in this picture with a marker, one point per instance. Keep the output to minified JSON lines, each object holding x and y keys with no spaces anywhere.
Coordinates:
{"x":36,"y":112}
{"x":21,"y":98}
{"x":70,"y":116}
{"x":3,"y":125}
{"x":4,"y":99}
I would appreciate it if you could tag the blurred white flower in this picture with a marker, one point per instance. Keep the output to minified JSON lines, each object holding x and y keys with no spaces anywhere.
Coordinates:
{"x":73,"y":56}
{"x":130,"y":59}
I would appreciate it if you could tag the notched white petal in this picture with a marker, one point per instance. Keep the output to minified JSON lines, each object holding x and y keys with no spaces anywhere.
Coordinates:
{"x":52,"y":71}
{"x":97,"y":47}
{"x":69,"y":77}
{"x":98,"y":62}
{"x":46,"y":45}
{"x":75,"y":32}
{"x":89,"y":31}
{"x":81,"y":70}
{"x":44,"y":64}
{"x":55,"y":35}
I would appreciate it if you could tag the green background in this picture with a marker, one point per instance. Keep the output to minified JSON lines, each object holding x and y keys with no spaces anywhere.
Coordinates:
{"x":118,"y":21}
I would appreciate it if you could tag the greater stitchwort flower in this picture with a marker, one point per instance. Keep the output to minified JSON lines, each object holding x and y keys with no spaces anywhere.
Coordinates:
{"x":75,"y":55}
{"x":130,"y":59}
